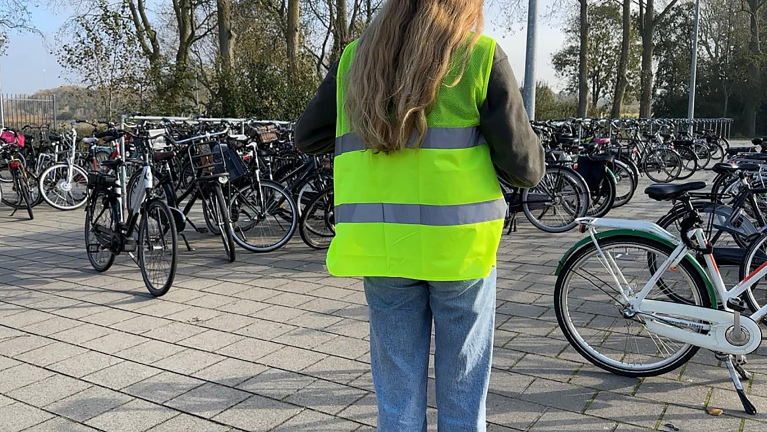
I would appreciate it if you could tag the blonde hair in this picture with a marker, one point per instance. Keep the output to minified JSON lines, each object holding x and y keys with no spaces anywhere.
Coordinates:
{"x":400,"y":63}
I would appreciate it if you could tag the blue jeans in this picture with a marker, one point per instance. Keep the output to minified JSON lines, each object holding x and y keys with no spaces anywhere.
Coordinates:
{"x":401,"y":313}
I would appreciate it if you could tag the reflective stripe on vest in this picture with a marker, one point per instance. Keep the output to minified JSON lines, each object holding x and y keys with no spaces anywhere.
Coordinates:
{"x":419,"y":214}
{"x":436,"y":138}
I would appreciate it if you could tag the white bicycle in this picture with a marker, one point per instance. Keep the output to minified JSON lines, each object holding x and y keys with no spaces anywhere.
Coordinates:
{"x":64,"y":185}
{"x":635,"y":300}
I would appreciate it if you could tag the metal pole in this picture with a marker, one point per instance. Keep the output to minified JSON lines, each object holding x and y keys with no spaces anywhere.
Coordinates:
{"x":532,"y":23}
{"x":693,"y":65}
{"x":54,"y":126}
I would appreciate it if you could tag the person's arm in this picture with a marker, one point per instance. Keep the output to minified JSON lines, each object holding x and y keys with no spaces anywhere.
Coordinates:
{"x":514,"y":148}
{"x":315,"y":131}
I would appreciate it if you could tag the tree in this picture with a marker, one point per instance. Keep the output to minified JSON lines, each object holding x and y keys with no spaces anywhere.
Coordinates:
{"x":101,"y":53}
{"x":14,"y":16}
{"x":226,"y":53}
{"x":621,"y":81}
{"x":601,"y":60}
{"x":583,"y":69}
{"x":673,"y":44}
{"x":648,"y":20}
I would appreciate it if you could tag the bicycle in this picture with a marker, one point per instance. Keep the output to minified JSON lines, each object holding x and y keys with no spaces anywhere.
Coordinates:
{"x":19,"y":179}
{"x":106,"y":235}
{"x":64,"y":185}
{"x":635,"y":300}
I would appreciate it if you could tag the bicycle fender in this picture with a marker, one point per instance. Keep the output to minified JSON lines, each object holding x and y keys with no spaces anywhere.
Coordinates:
{"x":669,"y":240}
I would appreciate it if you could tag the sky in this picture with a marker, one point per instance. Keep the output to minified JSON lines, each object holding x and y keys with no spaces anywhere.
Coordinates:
{"x":28,"y":64}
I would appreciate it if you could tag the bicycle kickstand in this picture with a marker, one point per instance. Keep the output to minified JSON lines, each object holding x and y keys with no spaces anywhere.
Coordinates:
{"x":747,"y":405}
{"x":186,"y":242}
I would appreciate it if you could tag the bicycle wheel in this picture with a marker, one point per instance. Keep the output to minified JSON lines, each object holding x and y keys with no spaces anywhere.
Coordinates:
{"x":12,"y":195}
{"x":703,"y":153}
{"x":24,"y":192}
{"x":223,"y":218}
{"x":318,"y":224}
{"x":59,"y":192}
{"x":265,"y":218}
{"x":756,"y":255}
{"x":603,"y":198}
{"x":689,"y":162}
{"x":592,"y":315}
{"x":99,"y":214}
{"x":157,"y":247}
{"x":5,"y":170}
{"x":625,"y":183}
{"x":662,"y":165}
{"x":553,"y":205}
{"x":717,"y":152}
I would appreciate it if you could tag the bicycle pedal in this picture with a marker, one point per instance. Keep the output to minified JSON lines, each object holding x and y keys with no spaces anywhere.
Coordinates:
{"x":737,"y":304}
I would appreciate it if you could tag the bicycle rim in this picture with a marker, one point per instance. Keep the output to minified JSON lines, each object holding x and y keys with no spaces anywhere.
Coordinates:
{"x":98,"y":214}
{"x":555,"y":203}
{"x":60,"y":193}
{"x":265,"y":220}
{"x":317,"y":226}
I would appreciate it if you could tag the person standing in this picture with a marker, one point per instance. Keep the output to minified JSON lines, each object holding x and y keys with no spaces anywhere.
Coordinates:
{"x":420,"y":110}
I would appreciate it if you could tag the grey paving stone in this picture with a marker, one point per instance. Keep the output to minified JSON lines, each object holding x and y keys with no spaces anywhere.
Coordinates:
{"x":328,"y":397}
{"x":187,"y":423}
{"x":134,"y":416}
{"x":51,"y":353}
{"x":628,"y":409}
{"x":694,"y":420}
{"x":556,"y":420}
{"x":6,"y":362}
{"x":188,"y":361}
{"x":20,"y":376}
{"x":362,"y":411}
{"x":140,"y":324}
{"x":230,"y":372}
{"x":150,"y":351}
{"x":343,"y":346}
{"x":163,"y":387}
{"x":48,"y":390}
{"x":304,"y":338}
{"x":114,"y":342}
{"x":673,"y":392}
{"x":337,"y":369}
{"x":558,"y":395}
{"x":122,"y":375}
{"x":249,"y":349}
{"x":207,"y":400}
{"x":257,"y":414}
{"x":514,"y":413}
{"x":59,"y":424}
{"x":509,"y":384}
{"x":50,"y":326}
{"x":18,"y":416}
{"x":309,"y":420}
{"x":266,"y":330}
{"x":210,"y":340}
{"x":84,"y":364}
{"x":276,"y":384}
{"x":291,"y":358}
{"x":88,"y":403}
{"x":109,"y":317}
{"x":174,"y":332}
{"x":25,"y":318}
{"x":14,"y":346}
{"x":82,"y":334}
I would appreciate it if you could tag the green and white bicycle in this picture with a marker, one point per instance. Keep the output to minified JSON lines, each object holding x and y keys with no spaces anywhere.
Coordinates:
{"x":635,"y":300}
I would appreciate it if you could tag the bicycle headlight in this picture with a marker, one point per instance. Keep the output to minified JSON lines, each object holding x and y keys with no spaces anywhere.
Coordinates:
{"x":223,"y":180}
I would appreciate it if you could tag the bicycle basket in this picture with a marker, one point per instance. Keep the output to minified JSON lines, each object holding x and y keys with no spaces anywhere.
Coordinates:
{"x":266,"y":134}
{"x":592,"y":169}
{"x":232,"y":161}
{"x":207,"y":160}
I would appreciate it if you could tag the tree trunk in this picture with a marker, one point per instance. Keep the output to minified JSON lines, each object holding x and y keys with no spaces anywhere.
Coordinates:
{"x":648,"y":46}
{"x":583,"y":71}
{"x":226,"y":52}
{"x":341,"y":30}
{"x":622,"y":79}
{"x":294,"y":41}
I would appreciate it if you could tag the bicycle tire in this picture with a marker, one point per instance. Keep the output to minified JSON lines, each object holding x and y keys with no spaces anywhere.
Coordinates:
{"x":703,"y":153}
{"x":756,"y":255}
{"x":51,"y":181}
{"x":625,"y":183}
{"x":317,"y":227}
{"x":92,"y":246}
{"x":662,"y":160}
{"x":567,"y":204}
{"x":279,"y":212}
{"x":601,"y":201}
{"x":24,"y":192}
{"x":594,"y":314}
{"x":689,"y":162}
{"x":167,"y":240}
{"x":225,"y":222}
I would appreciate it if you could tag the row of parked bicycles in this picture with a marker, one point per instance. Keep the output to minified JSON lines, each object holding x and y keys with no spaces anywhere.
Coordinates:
{"x":244,"y":181}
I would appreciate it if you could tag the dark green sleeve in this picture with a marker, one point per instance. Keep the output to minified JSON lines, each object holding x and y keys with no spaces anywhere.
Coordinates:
{"x":315,"y":131}
{"x":514,"y":148}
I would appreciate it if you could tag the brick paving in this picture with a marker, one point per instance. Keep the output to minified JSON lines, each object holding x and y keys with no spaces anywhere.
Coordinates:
{"x":272,"y":342}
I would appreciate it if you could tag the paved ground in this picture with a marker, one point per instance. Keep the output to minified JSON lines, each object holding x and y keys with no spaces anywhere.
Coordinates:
{"x":272,"y":343}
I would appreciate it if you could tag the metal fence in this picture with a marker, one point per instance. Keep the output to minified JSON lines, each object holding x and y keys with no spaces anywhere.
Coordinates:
{"x":17,"y":111}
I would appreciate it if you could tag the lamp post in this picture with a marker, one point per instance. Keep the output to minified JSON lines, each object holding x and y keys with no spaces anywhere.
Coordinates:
{"x":532,"y":22}
{"x":693,"y":66}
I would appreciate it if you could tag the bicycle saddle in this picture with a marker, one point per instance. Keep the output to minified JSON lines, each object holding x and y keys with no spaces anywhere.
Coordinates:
{"x":726,"y":168}
{"x":161,"y":156}
{"x":54,"y":137}
{"x":664,"y":192}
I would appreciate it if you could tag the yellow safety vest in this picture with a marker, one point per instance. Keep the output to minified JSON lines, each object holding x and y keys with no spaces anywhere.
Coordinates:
{"x":429,"y":213}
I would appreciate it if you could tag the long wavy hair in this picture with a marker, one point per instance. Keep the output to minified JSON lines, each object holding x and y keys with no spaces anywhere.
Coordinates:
{"x":402,"y":60}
